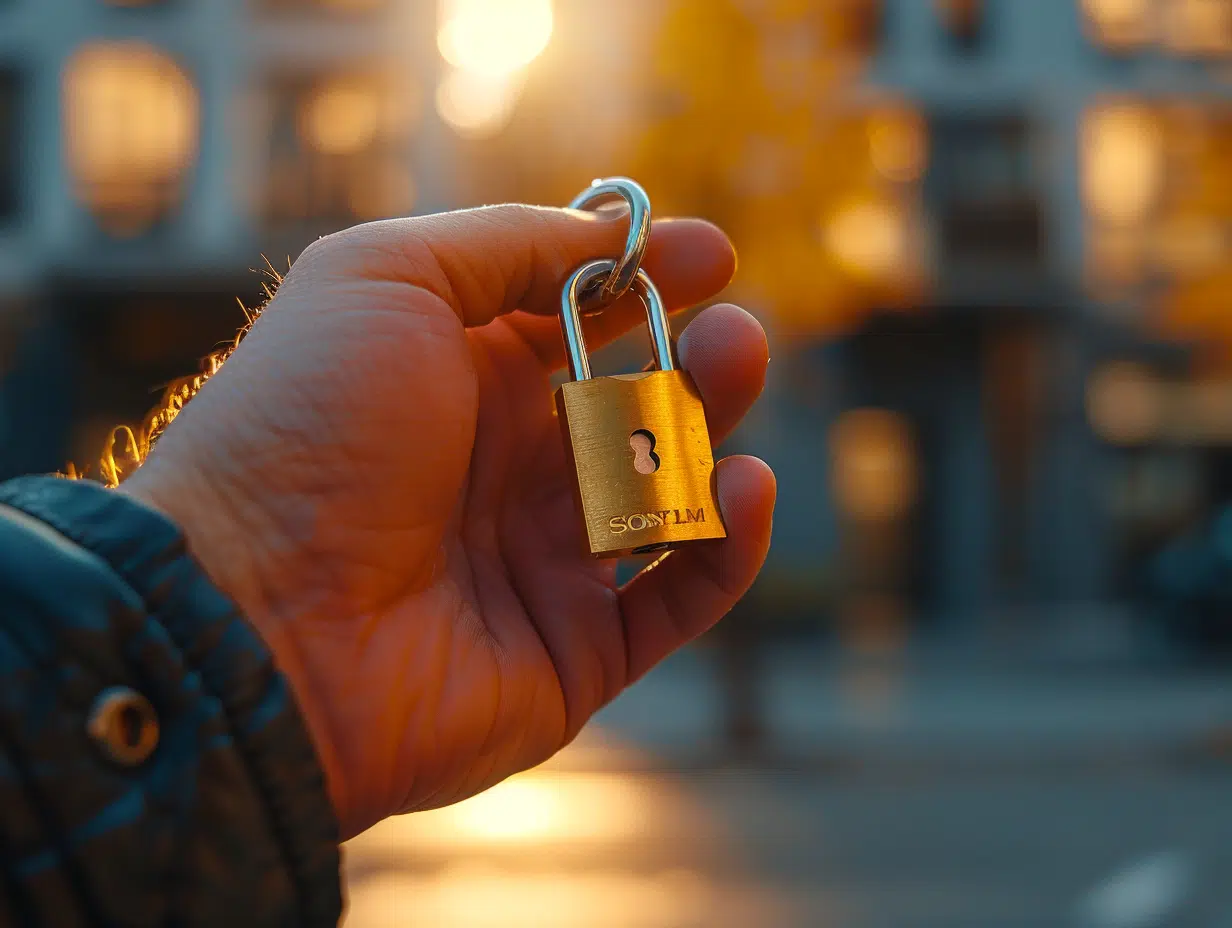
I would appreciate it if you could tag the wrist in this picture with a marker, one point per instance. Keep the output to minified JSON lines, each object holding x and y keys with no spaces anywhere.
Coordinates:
{"x":217,"y":532}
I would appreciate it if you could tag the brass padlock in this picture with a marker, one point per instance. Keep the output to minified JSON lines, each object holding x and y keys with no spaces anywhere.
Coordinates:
{"x":638,"y":443}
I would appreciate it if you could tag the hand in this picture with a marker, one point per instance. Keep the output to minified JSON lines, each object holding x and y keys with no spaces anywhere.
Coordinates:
{"x":377,"y":479}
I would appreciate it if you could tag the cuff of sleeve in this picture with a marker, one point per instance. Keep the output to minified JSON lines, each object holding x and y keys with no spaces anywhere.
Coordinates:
{"x":149,"y":552}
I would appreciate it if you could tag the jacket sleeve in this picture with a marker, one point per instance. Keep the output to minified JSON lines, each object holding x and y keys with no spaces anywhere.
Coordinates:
{"x":154,"y":769}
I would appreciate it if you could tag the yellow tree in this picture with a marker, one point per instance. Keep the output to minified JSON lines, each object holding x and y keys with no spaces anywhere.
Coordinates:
{"x":753,"y":122}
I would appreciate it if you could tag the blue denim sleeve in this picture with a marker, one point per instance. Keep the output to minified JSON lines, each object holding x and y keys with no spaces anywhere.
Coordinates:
{"x":215,"y":811}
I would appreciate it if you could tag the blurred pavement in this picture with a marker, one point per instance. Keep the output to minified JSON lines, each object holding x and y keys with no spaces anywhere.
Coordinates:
{"x":949,"y":708}
{"x":943,"y":791}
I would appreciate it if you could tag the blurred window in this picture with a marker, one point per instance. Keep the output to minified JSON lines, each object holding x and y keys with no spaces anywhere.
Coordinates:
{"x":10,"y":154}
{"x":982,"y":189}
{"x":337,"y":149}
{"x":131,"y":133}
{"x":1122,"y":162}
{"x":965,"y":23}
{"x":874,"y":467}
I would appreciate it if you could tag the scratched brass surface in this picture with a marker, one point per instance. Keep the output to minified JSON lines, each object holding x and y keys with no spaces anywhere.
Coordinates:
{"x":624,"y":510}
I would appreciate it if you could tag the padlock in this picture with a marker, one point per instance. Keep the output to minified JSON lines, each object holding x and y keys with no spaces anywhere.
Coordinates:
{"x":637,"y":443}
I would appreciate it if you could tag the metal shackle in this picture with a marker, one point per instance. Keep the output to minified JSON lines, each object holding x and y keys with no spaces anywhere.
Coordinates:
{"x":571,"y":321}
{"x":595,"y":296}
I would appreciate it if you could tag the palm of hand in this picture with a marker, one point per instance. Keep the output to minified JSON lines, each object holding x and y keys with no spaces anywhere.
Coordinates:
{"x":459,"y":562}
{"x":420,"y":573}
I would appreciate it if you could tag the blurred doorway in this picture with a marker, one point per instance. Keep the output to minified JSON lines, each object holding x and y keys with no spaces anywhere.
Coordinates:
{"x":962,"y":390}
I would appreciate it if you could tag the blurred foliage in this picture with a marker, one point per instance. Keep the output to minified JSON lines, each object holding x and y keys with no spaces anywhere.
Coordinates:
{"x":748,"y":128}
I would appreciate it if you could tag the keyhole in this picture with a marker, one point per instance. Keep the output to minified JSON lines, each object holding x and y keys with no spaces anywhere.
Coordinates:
{"x":645,"y":461}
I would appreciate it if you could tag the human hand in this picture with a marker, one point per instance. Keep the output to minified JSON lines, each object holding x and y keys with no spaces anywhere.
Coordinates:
{"x":377,"y":478}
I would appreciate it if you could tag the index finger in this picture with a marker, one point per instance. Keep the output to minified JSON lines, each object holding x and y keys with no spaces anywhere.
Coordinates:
{"x":485,"y":262}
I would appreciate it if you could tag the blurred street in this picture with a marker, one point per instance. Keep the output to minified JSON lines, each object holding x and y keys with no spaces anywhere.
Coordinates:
{"x":978,"y":682}
{"x":927,"y":794}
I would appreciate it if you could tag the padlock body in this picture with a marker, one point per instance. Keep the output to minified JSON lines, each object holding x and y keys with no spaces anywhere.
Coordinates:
{"x":627,"y":510}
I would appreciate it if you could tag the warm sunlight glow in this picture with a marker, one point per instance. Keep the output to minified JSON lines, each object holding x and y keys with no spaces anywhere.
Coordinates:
{"x":494,"y":37}
{"x":570,"y":844}
{"x":516,"y":810}
{"x":485,"y":896}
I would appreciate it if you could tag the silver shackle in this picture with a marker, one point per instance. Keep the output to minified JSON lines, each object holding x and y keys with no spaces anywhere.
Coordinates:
{"x":571,"y":322}
{"x":595,"y":296}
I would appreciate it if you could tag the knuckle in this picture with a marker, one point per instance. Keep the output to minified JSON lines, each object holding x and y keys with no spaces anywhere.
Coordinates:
{"x":336,"y":251}
{"x":321,"y":249}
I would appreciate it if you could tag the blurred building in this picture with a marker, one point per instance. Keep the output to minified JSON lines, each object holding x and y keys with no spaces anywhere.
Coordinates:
{"x":990,"y":237}
{"x":151,"y":151}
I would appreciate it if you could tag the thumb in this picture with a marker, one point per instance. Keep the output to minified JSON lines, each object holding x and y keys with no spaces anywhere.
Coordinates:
{"x":493,"y":260}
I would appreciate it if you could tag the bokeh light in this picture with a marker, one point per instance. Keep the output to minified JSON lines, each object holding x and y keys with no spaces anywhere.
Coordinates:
{"x":477,"y":105}
{"x":341,"y":117}
{"x":1122,"y":162}
{"x":867,"y":238}
{"x":874,"y":467}
{"x":130,"y":131}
